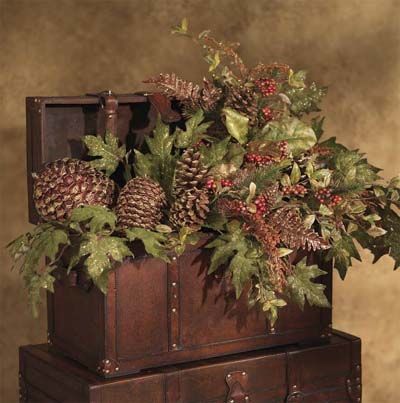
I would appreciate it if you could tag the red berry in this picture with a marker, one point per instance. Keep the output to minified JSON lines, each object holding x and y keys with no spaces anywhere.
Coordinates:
{"x":267,"y":113}
{"x":267,"y":86}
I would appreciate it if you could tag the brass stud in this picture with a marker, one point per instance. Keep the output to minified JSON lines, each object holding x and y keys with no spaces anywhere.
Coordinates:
{"x":348,"y":381}
{"x":174,"y":258}
{"x":174,"y":345}
{"x":229,"y":376}
{"x":246,"y":398}
{"x":106,"y":361}
{"x":173,"y":310}
{"x":117,"y":369}
{"x":294,"y":386}
{"x":358,"y":380}
{"x":244,"y":373}
{"x":272,"y":330}
{"x":174,"y":284}
{"x":231,"y":401}
{"x":107,"y":371}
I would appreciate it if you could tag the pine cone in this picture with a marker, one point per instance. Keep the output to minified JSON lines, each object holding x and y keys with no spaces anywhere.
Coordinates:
{"x":190,"y":172}
{"x":69,"y":183}
{"x":139,"y":204}
{"x":210,"y":95}
{"x":244,"y":100}
{"x":191,"y":198}
{"x":190,"y":209}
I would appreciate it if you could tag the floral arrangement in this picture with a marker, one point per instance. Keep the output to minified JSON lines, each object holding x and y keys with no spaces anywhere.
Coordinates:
{"x":248,"y":168}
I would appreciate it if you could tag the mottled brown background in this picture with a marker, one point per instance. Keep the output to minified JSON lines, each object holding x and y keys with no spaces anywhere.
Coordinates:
{"x":61,"y":47}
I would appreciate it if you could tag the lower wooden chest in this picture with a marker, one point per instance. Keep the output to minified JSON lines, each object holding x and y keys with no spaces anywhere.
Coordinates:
{"x":329,"y":372}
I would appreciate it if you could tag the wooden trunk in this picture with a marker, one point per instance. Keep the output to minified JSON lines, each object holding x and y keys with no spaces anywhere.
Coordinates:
{"x":323,"y":373}
{"x":154,"y":313}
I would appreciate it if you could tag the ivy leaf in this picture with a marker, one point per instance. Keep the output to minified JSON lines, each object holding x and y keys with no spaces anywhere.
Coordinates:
{"x":154,"y":242}
{"x":295,"y":174}
{"x":108,"y":151}
{"x":101,"y":253}
{"x":235,"y":155}
{"x":194,"y":130}
{"x":45,"y":241}
{"x":214,"y":154}
{"x":301,"y":286}
{"x":161,"y":143}
{"x":99,"y":218}
{"x":299,"y":136}
{"x":221,"y":254}
{"x":352,"y":169}
{"x":305,"y":100}
{"x":341,"y":252}
{"x":242,"y":268}
{"x":236,"y":124}
{"x":215,"y":221}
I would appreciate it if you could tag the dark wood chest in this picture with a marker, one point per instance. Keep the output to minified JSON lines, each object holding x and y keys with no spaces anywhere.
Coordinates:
{"x":328,"y":372}
{"x":155,"y":313}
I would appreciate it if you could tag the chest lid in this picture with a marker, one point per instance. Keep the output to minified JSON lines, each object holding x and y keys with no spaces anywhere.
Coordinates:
{"x":56,"y":125}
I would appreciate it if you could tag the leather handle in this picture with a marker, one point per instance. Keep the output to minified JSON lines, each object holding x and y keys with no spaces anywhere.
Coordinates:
{"x":237,"y":383}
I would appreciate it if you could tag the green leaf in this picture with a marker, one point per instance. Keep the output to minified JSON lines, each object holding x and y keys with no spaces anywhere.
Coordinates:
{"x":352,"y":169}
{"x":295,"y":174}
{"x":99,"y":219}
{"x":214,"y":154}
{"x":45,"y":241}
{"x":236,"y":124}
{"x":242,"y":268}
{"x":108,"y":151}
{"x":317,"y":125}
{"x":213,"y":60}
{"x":297,"y":80}
{"x":194,"y":130}
{"x":146,"y":165}
{"x":160,"y":163}
{"x":301,"y":286}
{"x":341,"y":252}
{"x":305,"y":100}
{"x":220,"y":256}
{"x":154,"y":242}
{"x":182,"y":28}
{"x":215,"y":221}
{"x":161,"y":143}
{"x":299,"y":136}
{"x":235,"y":155}
{"x":101,"y":253}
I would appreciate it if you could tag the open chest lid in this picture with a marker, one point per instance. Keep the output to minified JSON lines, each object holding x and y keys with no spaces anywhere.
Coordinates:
{"x":56,"y":125}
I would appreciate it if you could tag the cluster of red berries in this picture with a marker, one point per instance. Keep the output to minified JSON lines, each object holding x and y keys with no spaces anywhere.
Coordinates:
{"x":226,"y":183}
{"x":283,"y":148}
{"x":261,"y":203}
{"x":267,"y":86}
{"x":241,"y":207}
{"x":212,"y":185}
{"x":325,"y":196}
{"x":267,"y":112}
{"x":258,"y":160}
{"x":297,"y":190}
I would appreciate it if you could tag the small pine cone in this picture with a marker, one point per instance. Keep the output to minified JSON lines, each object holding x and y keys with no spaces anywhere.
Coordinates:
{"x":68,"y":183}
{"x":244,"y":100}
{"x":140,"y":204}
{"x":190,"y":172}
{"x":210,"y":95}
{"x":190,"y":209}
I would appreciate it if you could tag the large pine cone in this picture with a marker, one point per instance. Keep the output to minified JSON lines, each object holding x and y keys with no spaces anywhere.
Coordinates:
{"x":190,"y":209}
{"x":191,"y":199}
{"x":69,"y":183}
{"x":190,"y":172}
{"x":139,"y":204}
